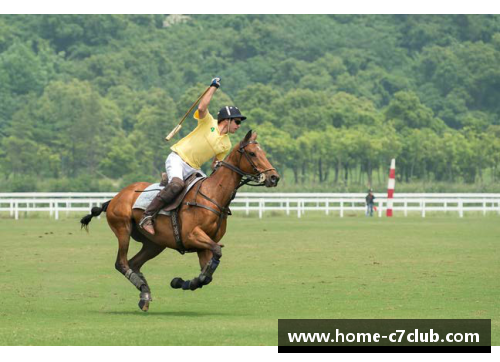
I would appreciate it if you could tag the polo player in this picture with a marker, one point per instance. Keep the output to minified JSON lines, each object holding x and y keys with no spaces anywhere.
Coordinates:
{"x":210,"y":139}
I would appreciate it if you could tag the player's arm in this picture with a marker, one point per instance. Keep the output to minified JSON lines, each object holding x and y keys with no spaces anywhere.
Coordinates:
{"x":205,"y":101}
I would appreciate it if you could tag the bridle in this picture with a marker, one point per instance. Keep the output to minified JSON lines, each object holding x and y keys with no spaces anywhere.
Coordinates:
{"x":258,"y":177}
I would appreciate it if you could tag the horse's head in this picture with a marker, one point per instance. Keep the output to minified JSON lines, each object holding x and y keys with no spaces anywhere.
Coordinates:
{"x":253,"y":161}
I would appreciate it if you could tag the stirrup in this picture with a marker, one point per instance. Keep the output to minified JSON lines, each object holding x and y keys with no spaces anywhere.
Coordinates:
{"x":144,"y":219}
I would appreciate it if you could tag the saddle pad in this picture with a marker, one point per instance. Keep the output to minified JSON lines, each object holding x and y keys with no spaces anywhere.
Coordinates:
{"x":152,"y":190}
{"x":147,"y":196}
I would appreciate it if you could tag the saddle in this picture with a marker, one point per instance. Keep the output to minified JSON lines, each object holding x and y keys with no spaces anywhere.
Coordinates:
{"x":170,"y":209}
{"x":188,"y":184}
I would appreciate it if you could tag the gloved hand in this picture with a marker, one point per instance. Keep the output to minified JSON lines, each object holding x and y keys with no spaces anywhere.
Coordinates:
{"x":215,"y":82}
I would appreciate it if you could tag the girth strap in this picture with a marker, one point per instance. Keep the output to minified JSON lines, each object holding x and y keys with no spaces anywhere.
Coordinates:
{"x":175,"y":226}
{"x":189,"y":203}
{"x":223,"y":209}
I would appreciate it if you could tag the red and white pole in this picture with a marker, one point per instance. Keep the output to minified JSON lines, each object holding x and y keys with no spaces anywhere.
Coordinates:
{"x":390,"y":187}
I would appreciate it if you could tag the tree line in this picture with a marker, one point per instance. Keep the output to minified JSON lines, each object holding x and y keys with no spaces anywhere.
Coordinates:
{"x":86,"y":100}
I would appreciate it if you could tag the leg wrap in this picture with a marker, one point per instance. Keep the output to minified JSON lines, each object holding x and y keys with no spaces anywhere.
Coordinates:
{"x":217,"y":251}
{"x":140,"y":275}
{"x":145,"y":287}
{"x":192,"y":284}
{"x":187,"y":285}
{"x":203,"y":279}
{"x":179,"y":283}
{"x":135,"y":279}
{"x":208,"y":271}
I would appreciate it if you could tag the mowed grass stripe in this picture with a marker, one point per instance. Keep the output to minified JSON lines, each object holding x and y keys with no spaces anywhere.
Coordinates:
{"x":59,"y":286}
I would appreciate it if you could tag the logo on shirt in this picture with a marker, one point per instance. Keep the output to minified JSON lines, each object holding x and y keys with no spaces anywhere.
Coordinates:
{"x":212,"y":129}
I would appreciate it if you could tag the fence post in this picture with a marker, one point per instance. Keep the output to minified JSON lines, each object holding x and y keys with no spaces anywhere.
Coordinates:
{"x":406,"y":208}
{"x":298,"y":209}
{"x":16,"y":210}
{"x":341,"y":207}
{"x":288,"y":206}
{"x":12,"y":208}
{"x":247,"y":207}
{"x":57,"y":210}
{"x":261,"y":206}
{"x":423,"y":207}
{"x":326,"y":206}
{"x":460,"y":208}
{"x":484,"y":207}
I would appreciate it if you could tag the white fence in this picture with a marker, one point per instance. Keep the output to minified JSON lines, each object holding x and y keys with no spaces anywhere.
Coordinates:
{"x":17,"y":204}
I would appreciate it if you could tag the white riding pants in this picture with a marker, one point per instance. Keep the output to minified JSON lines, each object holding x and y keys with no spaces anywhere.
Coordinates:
{"x":176,"y":167}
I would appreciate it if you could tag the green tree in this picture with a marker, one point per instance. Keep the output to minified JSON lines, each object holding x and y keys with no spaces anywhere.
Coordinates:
{"x":148,"y":137}
{"x":23,"y":70}
{"x":406,"y":111}
{"x":279,"y":146}
{"x":346,"y":110}
{"x":73,"y":121}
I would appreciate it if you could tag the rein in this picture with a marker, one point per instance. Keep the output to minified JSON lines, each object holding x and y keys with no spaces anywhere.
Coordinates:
{"x":258,"y":177}
{"x":223,"y":211}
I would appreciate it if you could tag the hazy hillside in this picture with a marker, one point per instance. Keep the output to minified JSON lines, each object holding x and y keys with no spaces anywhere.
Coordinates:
{"x":85,"y":101}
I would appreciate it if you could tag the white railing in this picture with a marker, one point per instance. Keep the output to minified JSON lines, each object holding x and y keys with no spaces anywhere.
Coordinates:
{"x":296,"y":203}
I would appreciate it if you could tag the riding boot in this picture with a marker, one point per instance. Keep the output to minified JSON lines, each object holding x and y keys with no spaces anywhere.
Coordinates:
{"x":165,"y":196}
{"x":147,"y":218}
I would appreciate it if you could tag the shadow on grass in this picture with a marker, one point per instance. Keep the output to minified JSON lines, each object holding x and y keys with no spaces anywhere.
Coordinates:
{"x":193,"y":314}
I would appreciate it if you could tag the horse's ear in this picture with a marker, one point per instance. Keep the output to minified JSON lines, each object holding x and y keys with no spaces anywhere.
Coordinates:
{"x":247,"y":137}
{"x":254,"y":136}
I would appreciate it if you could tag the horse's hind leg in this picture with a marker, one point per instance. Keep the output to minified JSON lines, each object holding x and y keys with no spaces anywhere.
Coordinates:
{"x":148,"y":251}
{"x":209,"y":257}
{"x":122,"y":232}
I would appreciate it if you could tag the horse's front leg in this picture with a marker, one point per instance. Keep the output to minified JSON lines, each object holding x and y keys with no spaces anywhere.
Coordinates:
{"x":208,"y":264}
{"x":209,"y":257}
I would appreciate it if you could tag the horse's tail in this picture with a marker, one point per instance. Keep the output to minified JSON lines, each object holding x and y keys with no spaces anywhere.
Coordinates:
{"x":96,"y":211}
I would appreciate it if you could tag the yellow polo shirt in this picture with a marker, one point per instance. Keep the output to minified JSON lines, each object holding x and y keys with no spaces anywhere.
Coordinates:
{"x":203,"y":143}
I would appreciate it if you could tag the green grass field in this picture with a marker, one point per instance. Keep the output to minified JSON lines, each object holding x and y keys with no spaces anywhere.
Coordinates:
{"x":59,"y":286}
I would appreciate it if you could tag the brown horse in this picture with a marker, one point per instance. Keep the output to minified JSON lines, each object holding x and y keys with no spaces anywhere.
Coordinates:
{"x":203,"y":218}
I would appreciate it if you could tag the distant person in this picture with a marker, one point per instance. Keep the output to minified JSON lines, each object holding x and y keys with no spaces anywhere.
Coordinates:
{"x":370,"y":203}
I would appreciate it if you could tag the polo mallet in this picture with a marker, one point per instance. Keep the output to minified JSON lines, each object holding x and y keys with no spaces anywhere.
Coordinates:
{"x":179,"y":126}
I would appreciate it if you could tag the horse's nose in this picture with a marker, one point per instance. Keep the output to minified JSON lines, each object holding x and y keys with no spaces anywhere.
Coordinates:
{"x":275,"y":179}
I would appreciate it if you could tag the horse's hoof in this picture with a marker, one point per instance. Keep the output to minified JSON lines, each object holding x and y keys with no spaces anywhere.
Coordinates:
{"x":144,"y":305}
{"x":195,"y":284}
{"x":144,"y":301}
{"x":176,"y":283}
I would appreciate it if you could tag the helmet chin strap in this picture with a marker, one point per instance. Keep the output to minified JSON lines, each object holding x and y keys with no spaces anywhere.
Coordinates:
{"x":226,"y":127}
{"x":228,"y":124}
